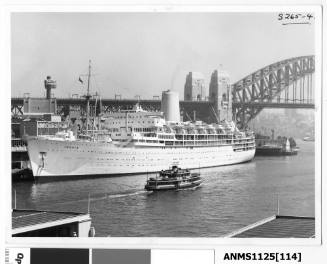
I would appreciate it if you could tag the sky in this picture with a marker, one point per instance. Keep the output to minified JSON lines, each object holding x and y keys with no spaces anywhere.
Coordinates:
{"x":145,"y":53}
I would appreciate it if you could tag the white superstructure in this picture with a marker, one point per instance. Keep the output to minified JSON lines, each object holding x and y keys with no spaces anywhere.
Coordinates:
{"x":137,"y":141}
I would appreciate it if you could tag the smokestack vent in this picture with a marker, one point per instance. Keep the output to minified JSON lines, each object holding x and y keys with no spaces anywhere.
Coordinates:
{"x":170,"y":106}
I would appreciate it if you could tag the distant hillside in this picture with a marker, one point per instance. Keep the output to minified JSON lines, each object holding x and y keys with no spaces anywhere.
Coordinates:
{"x":285,"y":122}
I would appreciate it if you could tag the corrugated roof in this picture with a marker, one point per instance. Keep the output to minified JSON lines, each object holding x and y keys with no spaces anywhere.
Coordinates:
{"x":280,"y":227}
{"x":24,"y":218}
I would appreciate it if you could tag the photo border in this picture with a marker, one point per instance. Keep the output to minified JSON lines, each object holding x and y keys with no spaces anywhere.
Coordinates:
{"x":162,"y":242}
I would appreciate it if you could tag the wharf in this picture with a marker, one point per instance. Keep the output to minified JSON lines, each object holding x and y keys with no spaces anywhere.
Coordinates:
{"x":278,"y":226}
{"x":31,"y":223}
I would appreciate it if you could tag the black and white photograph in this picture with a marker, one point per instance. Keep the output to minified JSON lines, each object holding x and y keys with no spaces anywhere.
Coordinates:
{"x":147,"y":124}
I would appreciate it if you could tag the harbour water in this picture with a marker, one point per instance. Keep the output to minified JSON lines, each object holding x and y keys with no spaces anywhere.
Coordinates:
{"x":231,"y":197}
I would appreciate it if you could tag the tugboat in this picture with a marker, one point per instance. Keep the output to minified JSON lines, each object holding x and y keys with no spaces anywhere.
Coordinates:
{"x":269,"y":146}
{"x":276,"y":149}
{"x":173,"y":179}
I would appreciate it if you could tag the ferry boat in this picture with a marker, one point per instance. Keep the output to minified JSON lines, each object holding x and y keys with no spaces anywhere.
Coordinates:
{"x":174,"y":179}
{"x":137,"y":141}
{"x":310,"y":136}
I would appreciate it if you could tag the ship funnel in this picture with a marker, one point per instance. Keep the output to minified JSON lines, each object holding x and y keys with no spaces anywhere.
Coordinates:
{"x":170,"y":106}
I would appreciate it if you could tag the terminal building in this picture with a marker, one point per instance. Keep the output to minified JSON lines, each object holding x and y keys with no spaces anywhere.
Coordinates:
{"x":42,"y":105}
{"x":39,"y":115}
{"x":39,"y":118}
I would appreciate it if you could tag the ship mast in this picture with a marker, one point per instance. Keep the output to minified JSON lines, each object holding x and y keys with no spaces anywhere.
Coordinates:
{"x":88,"y":96}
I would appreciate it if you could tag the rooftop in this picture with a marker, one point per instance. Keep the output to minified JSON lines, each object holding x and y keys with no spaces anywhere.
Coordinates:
{"x":29,"y":220}
{"x":279,"y":226}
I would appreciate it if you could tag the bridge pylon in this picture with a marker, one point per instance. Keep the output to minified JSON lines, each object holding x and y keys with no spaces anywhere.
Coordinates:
{"x":220,"y":95}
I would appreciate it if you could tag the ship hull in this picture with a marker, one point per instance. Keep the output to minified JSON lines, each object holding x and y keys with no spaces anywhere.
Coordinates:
{"x":63,"y":159}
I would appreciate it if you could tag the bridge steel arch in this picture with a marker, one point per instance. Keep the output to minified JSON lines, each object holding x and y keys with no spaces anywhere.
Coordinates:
{"x":284,"y":84}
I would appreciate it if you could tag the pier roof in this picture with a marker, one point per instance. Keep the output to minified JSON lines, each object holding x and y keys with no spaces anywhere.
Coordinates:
{"x":278,"y":226}
{"x":30,"y":220}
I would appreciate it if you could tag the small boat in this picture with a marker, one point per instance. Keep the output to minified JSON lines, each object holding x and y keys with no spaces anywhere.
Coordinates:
{"x":173,"y":179}
{"x":309,"y":138}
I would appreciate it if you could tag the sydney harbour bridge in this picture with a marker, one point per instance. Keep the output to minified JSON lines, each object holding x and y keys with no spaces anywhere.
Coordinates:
{"x":285,"y":84}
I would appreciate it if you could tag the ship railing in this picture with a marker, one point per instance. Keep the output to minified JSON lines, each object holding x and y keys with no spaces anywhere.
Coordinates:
{"x":191,"y":143}
{"x":196,"y":142}
{"x":95,"y":131}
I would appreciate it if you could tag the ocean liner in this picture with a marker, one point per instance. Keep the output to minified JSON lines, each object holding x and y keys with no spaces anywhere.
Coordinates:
{"x":137,"y":141}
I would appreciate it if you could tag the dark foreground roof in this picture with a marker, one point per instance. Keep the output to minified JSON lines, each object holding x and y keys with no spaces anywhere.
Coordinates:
{"x":279,"y":227}
{"x":27,"y":220}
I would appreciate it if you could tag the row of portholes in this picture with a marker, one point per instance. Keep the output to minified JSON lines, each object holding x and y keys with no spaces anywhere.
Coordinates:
{"x":144,"y":153}
{"x":243,"y":149}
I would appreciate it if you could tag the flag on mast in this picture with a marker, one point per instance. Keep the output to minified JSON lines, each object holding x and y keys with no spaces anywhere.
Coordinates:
{"x":80,"y":79}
